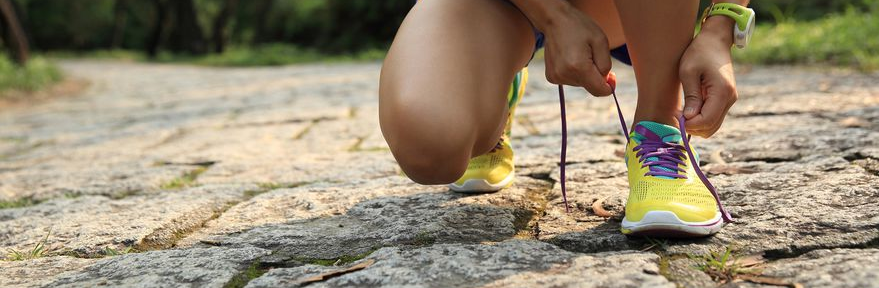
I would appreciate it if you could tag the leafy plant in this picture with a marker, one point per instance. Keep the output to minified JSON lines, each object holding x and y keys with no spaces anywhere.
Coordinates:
{"x":722,"y":266}
{"x":38,"y":251}
{"x":109,"y":251}
{"x":37,"y":74}
{"x":186,"y":180}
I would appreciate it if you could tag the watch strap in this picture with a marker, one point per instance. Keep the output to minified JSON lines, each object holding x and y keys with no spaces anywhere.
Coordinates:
{"x":737,"y":12}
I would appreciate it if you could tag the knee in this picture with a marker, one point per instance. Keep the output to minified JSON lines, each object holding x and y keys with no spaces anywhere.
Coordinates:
{"x":427,"y":157}
{"x":430,"y":150}
{"x":431,"y":168}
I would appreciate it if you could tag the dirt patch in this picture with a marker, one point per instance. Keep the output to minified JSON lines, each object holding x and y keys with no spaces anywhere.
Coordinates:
{"x":69,"y":87}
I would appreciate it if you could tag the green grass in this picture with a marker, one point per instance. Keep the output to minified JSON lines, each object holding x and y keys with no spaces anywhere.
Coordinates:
{"x":252,"y":272}
{"x":109,"y":251}
{"x":18,"y":203}
{"x":185,"y":180}
{"x":721,"y":266}
{"x":234,"y":56}
{"x":847,"y":39}
{"x":37,"y":74}
{"x":278,"y":54}
{"x":38,"y":251}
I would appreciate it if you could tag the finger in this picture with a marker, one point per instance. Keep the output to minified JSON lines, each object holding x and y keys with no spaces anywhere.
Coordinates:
{"x":712,"y":114}
{"x":550,"y":73}
{"x":612,"y":80}
{"x":717,"y":96}
{"x":704,"y":134}
{"x":594,"y":80}
{"x":595,"y":83}
{"x":693,"y":98}
{"x":601,"y":56}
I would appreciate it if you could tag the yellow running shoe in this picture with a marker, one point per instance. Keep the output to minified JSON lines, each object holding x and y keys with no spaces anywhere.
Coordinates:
{"x":667,"y":197}
{"x":494,"y":170}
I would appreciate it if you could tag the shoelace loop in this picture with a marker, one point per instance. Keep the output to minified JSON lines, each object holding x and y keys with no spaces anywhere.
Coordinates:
{"x":686,"y":139}
{"x":661,"y":158}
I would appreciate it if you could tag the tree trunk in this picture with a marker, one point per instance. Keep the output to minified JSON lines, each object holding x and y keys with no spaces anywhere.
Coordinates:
{"x":219,"y":29}
{"x":120,"y":20}
{"x":262,"y":12}
{"x":159,"y":25}
{"x":187,"y":33}
{"x":16,"y":39}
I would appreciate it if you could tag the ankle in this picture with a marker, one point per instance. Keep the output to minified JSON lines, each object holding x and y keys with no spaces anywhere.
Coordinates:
{"x":667,"y":119}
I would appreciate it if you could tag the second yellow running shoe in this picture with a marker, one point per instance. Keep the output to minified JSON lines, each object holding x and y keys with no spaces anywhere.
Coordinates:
{"x":494,"y":170}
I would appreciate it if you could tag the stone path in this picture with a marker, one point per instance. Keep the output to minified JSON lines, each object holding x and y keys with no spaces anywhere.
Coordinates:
{"x":170,"y":176}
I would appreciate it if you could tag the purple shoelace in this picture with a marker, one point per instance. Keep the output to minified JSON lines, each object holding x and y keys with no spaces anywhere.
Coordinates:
{"x":668,"y":154}
{"x":662,"y":158}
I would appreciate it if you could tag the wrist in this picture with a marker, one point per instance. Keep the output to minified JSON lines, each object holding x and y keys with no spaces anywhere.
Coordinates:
{"x":719,"y":28}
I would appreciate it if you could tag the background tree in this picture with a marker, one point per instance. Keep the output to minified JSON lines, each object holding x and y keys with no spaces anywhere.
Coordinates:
{"x":186,"y":34}
{"x":160,"y":24}
{"x":14,"y":36}
{"x":120,"y":19}
{"x":220,"y":22}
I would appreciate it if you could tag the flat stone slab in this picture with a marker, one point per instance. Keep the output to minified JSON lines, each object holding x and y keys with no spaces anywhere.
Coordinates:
{"x":41,"y":271}
{"x":829,"y":268}
{"x":53,"y":180}
{"x":327,"y":221}
{"x":89,"y":225}
{"x":514,"y":263}
{"x":196,"y":267}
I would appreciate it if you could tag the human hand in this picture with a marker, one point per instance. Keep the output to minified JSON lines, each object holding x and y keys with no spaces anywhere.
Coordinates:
{"x":577,"y":52}
{"x":706,"y":73}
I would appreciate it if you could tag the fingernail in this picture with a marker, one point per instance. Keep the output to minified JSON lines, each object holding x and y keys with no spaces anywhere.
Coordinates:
{"x":689,"y":110}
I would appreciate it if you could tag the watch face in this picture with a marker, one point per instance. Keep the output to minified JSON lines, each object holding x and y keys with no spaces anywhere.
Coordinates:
{"x":742,"y":38}
{"x":750,"y":28}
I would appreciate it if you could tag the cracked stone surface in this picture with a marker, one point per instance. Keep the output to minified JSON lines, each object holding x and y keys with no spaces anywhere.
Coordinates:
{"x":88,"y":225}
{"x":514,"y":263}
{"x":174,"y":175}
{"x":197,"y":267}
{"x":40,"y":271}
{"x":328,"y":222}
{"x":830,"y":268}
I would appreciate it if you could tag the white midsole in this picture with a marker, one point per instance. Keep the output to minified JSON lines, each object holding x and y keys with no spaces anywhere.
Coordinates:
{"x":667,"y":220}
{"x":481,"y":185}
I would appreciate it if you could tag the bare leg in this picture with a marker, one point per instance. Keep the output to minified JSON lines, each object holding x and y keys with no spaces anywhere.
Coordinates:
{"x":444,"y":82}
{"x":604,"y":13}
{"x":657,"y":35}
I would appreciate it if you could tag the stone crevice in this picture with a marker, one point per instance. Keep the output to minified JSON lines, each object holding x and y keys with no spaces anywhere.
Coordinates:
{"x":280,"y":122}
{"x":796,"y":251}
{"x":155,"y":242}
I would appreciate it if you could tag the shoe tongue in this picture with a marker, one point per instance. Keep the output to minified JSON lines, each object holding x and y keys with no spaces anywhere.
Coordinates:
{"x":650,"y":130}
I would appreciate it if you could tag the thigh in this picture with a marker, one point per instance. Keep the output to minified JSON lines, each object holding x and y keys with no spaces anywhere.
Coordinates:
{"x":604,"y":13}
{"x":445,"y":79}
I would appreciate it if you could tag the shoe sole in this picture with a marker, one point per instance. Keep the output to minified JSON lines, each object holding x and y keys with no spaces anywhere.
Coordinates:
{"x":482,"y":186}
{"x":667,"y":224}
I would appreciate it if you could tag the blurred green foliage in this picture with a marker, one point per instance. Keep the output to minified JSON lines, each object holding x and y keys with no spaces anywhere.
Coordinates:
{"x":270,"y":54}
{"x":37,"y":74}
{"x":847,"y":38}
{"x":276,"y":32}
{"x":330,"y":26}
